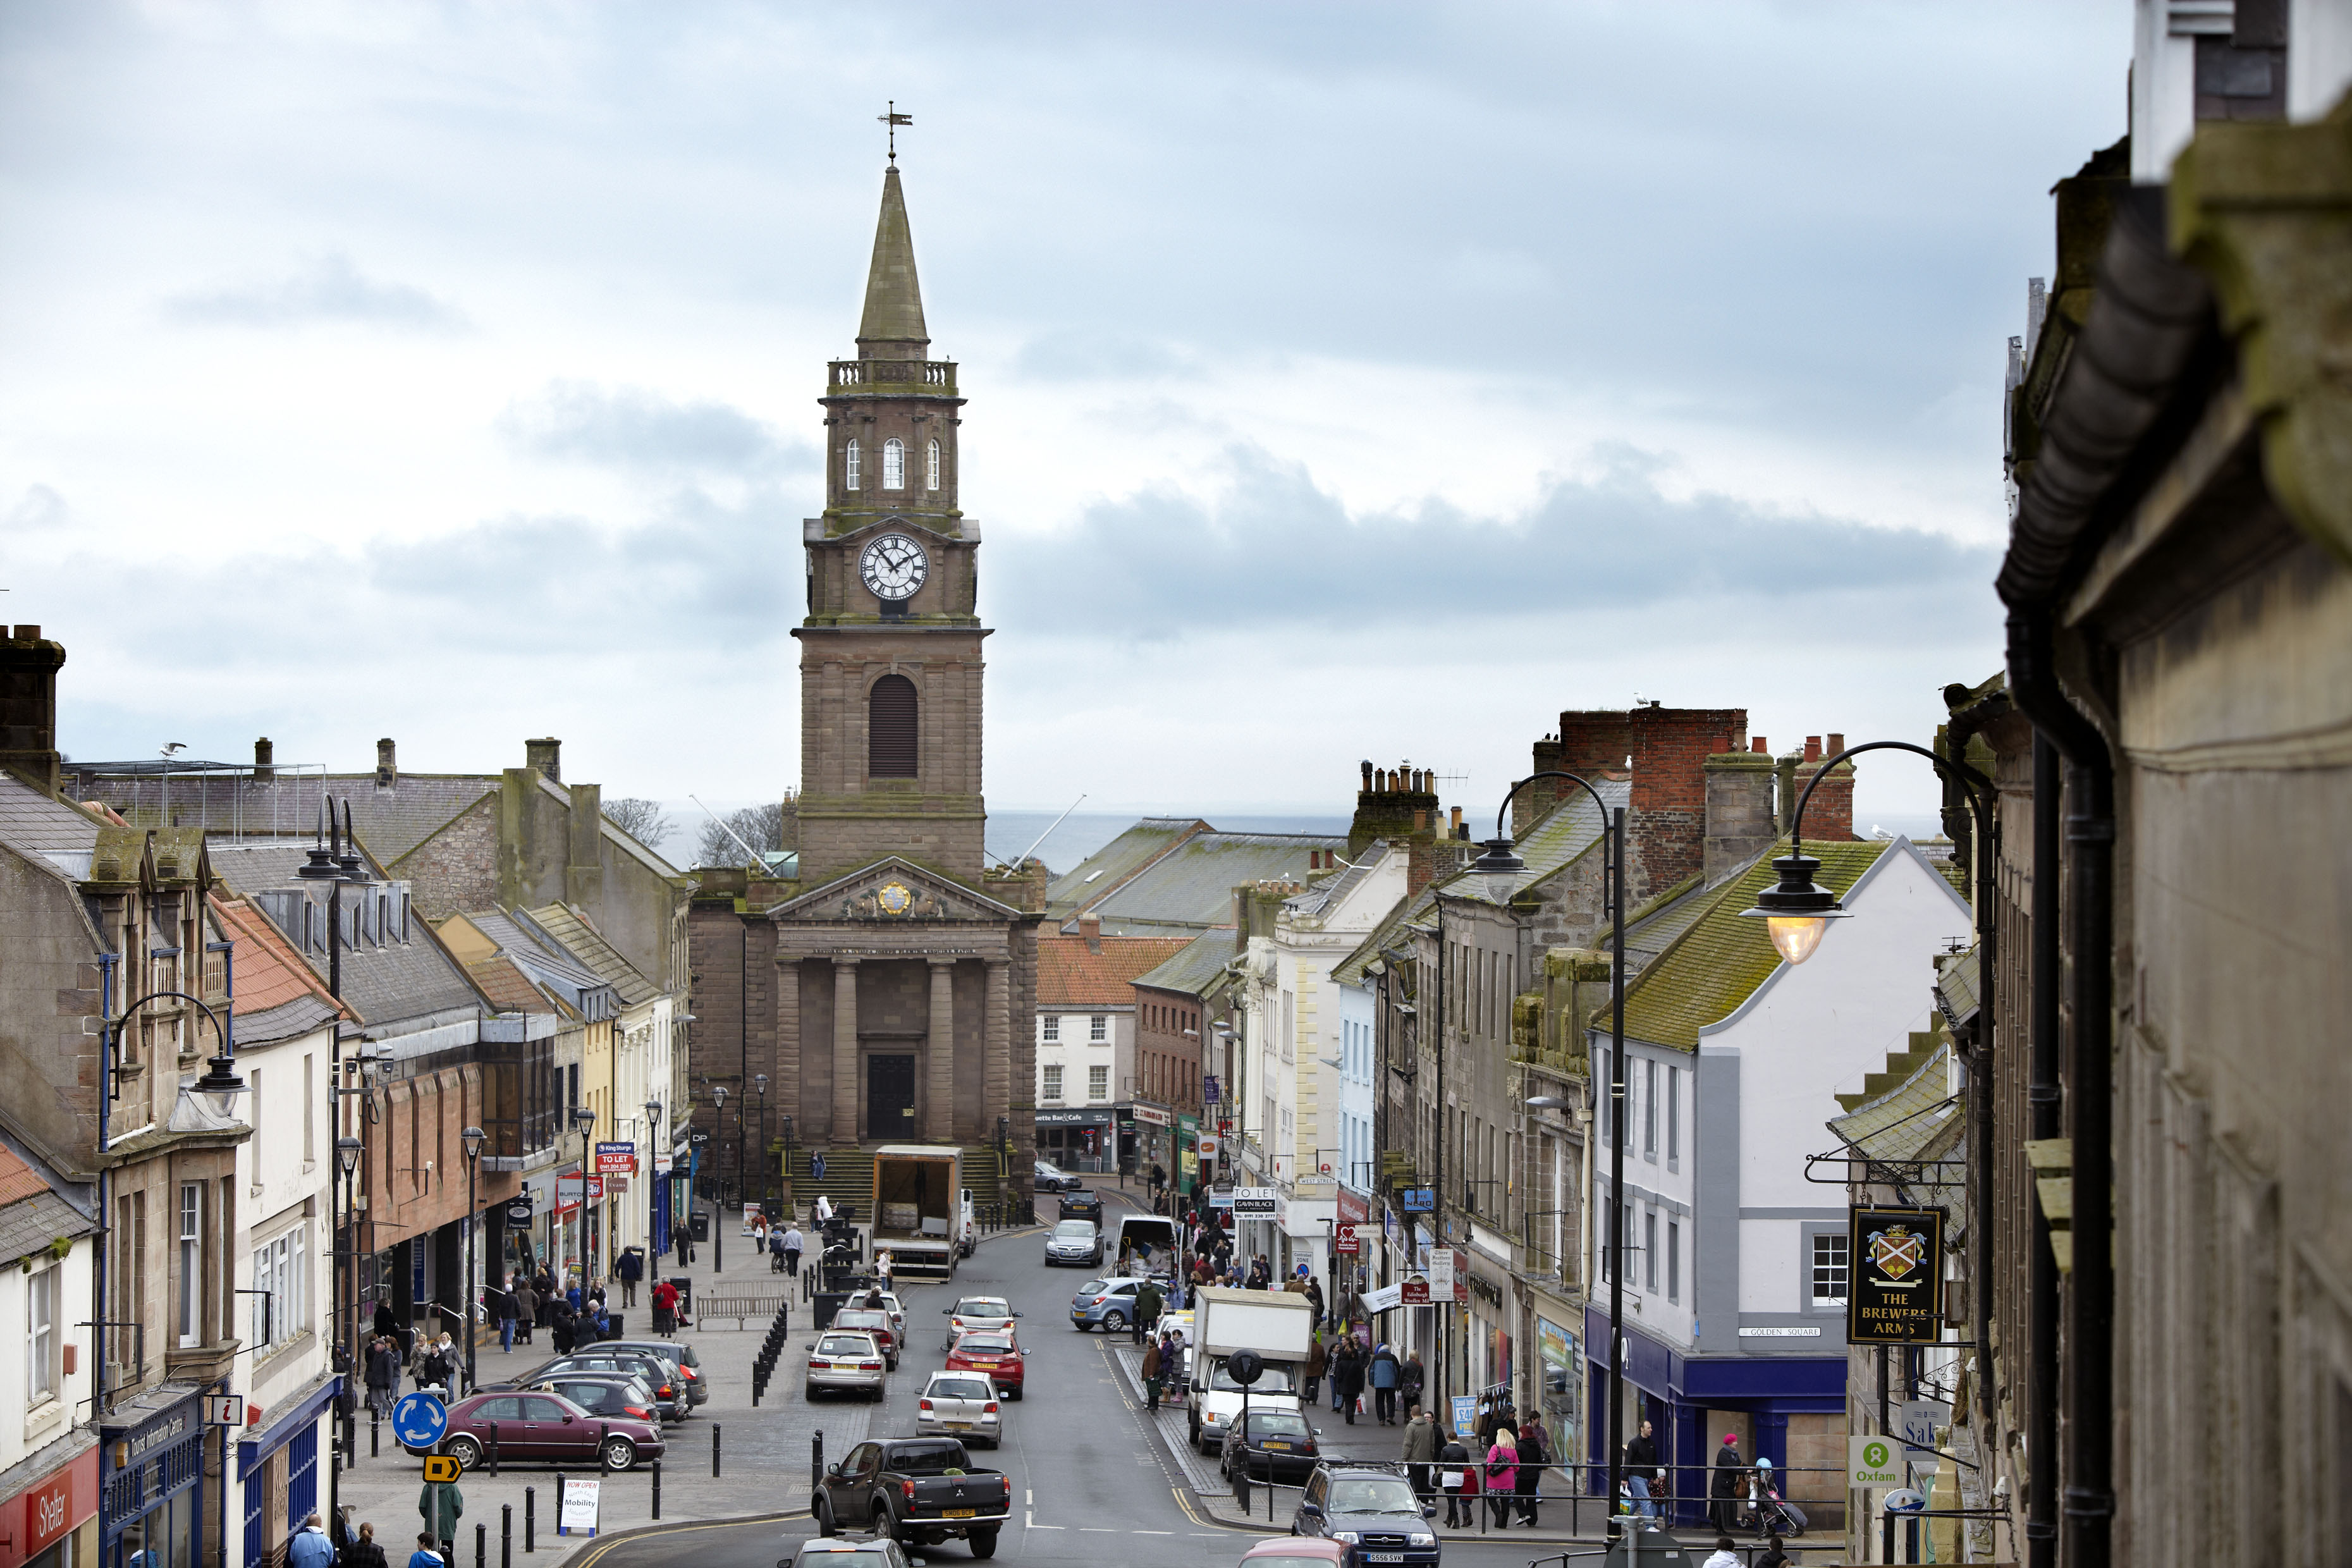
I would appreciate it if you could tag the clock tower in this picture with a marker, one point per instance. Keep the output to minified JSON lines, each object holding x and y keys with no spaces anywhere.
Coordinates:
{"x":890,"y":650}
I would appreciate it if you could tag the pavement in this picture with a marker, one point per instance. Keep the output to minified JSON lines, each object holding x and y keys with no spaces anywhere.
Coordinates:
{"x":1098,"y":1477}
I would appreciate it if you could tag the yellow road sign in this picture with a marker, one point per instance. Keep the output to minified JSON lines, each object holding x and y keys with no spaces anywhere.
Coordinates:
{"x":440,"y":1466}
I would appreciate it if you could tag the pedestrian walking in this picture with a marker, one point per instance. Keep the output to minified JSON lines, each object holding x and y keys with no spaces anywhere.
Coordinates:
{"x":1420,"y":1453}
{"x":383,"y":1375}
{"x":427,"y":1554}
{"x":629,"y":1270}
{"x":1348,"y":1376}
{"x":1502,"y":1475}
{"x":1319,"y":1360}
{"x":1724,"y":1487}
{"x":1383,"y":1376}
{"x":1457,"y":1478}
{"x":441,"y":1505}
{"x":1146,"y":1310}
{"x":502,"y":1308}
{"x":1315,"y":1301}
{"x":363,"y":1552}
{"x":1411,"y":1377}
{"x":795,"y":1244}
{"x":1535,"y":1453}
{"x":1154,"y":1359}
{"x":664,"y":1301}
{"x":1642,"y":1472}
{"x":310,"y":1548}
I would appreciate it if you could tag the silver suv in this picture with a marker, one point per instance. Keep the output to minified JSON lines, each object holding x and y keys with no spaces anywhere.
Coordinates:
{"x":1075,"y":1241}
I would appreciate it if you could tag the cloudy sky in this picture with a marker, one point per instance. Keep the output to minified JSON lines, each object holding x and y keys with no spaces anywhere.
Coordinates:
{"x":1345,"y":380}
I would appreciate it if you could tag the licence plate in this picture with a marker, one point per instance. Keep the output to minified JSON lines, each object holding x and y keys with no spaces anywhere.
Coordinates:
{"x":991,"y":1362}
{"x":1384,"y":1556}
{"x":969,"y":1512}
{"x":1282,"y":1445}
{"x":958,"y":1426}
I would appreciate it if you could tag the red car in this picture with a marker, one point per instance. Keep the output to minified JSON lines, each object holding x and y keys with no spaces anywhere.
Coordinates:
{"x":994,"y":1351}
{"x":536,"y":1426}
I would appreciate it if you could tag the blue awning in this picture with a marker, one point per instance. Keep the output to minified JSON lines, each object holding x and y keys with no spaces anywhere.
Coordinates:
{"x":301,"y":1412}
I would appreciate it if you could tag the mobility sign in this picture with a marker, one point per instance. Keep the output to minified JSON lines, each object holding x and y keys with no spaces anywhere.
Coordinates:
{"x":1896,"y":1294}
{"x":1875,"y":1461}
{"x":419,"y":1419}
{"x":577,"y":1508}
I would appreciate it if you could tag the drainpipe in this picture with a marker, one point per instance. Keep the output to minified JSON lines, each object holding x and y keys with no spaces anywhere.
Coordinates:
{"x":2042,"y":1096}
{"x":106,"y":966}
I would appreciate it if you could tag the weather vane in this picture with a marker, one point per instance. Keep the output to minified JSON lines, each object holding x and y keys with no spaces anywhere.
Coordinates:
{"x":895,"y":119}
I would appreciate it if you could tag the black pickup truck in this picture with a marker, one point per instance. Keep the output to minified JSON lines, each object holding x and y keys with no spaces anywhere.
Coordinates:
{"x":916,"y":1490}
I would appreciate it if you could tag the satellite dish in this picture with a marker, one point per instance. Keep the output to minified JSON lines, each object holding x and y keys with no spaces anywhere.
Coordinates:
{"x":1244,"y":1367}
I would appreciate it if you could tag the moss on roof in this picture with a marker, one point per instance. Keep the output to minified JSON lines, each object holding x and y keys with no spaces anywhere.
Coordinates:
{"x":1718,"y":963}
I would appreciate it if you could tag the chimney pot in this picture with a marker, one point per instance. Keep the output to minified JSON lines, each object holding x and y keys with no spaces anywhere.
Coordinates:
{"x":546,"y":754}
{"x":1758,"y":744}
{"x":386,"y":770}
{"x":1836,"y":744}
{"x":1368,"y":777}
{"x":1812,"y":748}
{"x":264,"y":755}
{"x":28,"y":633}
{"x":1420,"y":821}
{"x":1457,"y":822}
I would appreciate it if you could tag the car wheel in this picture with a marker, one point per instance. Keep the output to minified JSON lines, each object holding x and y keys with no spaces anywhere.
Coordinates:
{"x":466,"y":1451}
{"x":619,"y":1454}
{"x":808,"y":1392}
{"x":1114,"y":1322}
{"x":1193,"y":1425}
{"x":1016,"y":1393}
{"x":886,"y":1528}
{"x":824,"y":1511}
{"x":983,"y":1544}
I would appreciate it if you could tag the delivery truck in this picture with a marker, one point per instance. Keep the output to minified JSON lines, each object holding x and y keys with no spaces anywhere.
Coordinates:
{"x":919,"y":1209}
{"x":1276,"y":1324}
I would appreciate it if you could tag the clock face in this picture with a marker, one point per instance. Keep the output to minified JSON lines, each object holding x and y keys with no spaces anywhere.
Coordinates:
{"x":893,"y":566}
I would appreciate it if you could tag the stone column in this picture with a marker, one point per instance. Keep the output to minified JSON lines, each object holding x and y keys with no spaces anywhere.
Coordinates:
{"x":845,"y":1050}
{"x":788,"y":1042}
{"x":939,"y":1123}
{"x":998,"y":1031}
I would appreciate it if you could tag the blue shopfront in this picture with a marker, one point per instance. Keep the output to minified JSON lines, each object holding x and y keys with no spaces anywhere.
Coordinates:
{"x":292,"y":1430}
{"x":1674,"y":1391}
{"x":152,"y":1459}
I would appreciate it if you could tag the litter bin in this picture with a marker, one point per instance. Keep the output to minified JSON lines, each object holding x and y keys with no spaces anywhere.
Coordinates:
{"x":700,"y":1226}
{"x":1646,"y":1548}
{"x":827,"y":1304}
{"x":685,"y":1295}
{"x":614,"y":1326}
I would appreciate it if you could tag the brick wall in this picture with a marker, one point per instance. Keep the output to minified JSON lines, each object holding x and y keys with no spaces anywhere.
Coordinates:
{"x":1667,"y":824}
{"x":1829,"y":815}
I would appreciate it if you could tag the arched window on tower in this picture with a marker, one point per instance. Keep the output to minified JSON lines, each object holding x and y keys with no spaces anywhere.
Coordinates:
{"x":849,"y":465}
{"x":932,"y":474}
{"x":894,"y":464}
{"x":890,"y":728}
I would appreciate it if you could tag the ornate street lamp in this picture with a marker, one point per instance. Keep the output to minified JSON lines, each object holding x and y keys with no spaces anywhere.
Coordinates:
{"x":653,"y":1189}
{"x":719,"y":1184}
{"x":759,"y":1082}
{"x":472,"y":1137}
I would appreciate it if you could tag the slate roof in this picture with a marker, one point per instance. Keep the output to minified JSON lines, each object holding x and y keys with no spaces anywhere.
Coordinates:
{"x":1909,"y":1120}
{"x":1069,"y":974}
{"x":32,"y":1214}
{"x":1191,"y":887}
{"x":1661,"y":923}
{"x":1192,"y":970}
{"x":1101,"y":872}
{"x":1333,"y":891}
{"x":278,"y":996}
{"x":548,"y":966}
{"x":382,"y":982}
{"x":1560,"y":838}
{"x":1724,"y":956}
{"x":35,"y":824}
{"x":572,"y":933}
{"x":1957,"y":994}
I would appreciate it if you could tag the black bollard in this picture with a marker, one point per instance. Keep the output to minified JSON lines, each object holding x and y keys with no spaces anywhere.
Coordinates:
{"x":714,"y":1450}
{"x":816,"y":1460}
{"x":481,"y":1546}
{"x":506,"y":1535}
{"x":603,"y":1435}
{"x":375,"y":1432}
{"x":656,"y":1489}
{"x":529,"y":1519}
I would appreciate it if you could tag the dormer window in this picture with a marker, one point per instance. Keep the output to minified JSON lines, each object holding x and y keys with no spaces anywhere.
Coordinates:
{"x":849,"y":465}
{"x":931,"y":475}
{"x":894,"y":464}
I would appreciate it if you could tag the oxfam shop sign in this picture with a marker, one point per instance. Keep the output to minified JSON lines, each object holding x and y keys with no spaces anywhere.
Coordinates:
{"x":1875,"y":1462}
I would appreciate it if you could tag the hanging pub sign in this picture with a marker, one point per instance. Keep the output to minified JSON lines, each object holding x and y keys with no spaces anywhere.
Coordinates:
{"x":1895,"y":1297}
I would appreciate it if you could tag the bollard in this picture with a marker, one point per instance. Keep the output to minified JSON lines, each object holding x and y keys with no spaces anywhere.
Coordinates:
{"x":529,"y":1519}
{"x":494,"y":1449}
{"x":375,"y":1432}
{"x":506,"y":1535}
{"x":603,"y":1435}
{"x":481,"y":1546}
{"x":657,"y":1490}
{"x":714,"y":1450}
{"x":816,"y":1460}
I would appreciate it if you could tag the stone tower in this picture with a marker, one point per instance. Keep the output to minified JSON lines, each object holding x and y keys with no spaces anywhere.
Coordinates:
{"x":890,"y":651}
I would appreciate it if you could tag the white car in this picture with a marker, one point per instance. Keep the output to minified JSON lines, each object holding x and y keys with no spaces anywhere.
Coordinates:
{"x":976,"y":1312}
{"x":1075,"y":1241}
{"x":844,"y":1363}
{"x":960,"y":1404}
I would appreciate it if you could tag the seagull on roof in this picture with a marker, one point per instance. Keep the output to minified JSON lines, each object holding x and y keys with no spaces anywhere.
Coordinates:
{"x":175,"y":748}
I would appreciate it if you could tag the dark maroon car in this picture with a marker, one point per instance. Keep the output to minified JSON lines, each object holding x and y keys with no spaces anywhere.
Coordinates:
{"x":546,"y":1427}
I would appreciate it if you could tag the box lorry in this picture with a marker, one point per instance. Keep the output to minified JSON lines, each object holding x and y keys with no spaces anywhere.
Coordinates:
{"x":1276,"y":1324}
{"x":919,"y":1209}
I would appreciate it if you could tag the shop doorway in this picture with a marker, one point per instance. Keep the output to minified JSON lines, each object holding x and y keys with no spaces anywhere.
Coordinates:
{"x":890,"y":1098}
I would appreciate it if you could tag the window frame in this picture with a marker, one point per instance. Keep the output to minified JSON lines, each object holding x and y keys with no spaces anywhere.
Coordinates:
{"x":852,"y":465}
{"x":1673,"y":1259}
{"x":1097,"y":1028}
{"x":933,"y":473}
{"x":44,"y":1346}
{"x":1052,"y":1080}
{"x":894,"y":464}
{"x":1650,"y":1109}
{"x":190,"y":1331}
{"x":1808,"y":1255}
{"x":1052,"y":1023}
{"x":1099,"y":1083}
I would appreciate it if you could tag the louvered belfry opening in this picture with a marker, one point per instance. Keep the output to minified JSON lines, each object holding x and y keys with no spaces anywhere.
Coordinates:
{"x":890,"y":728}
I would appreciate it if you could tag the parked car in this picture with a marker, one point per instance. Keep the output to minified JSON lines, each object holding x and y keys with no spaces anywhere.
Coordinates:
{"x":1108,"y":1304}
{"x":1277,"y":1445}
{"x":976,"y":1312}
{"x":689,"y":1365}
{"x":1288,"y":1552}
{"x":659,"y":1373}
{"x":1370,"y":1507}
{"x":845,"y":1362}
{"x":605,"y":1393}
{"x":960,"y":1404}
{"x":875,"y":1551}
{"x":914,"y":1490}
{"x":546,"y":1427}
{"x":1074,"y":1241}
{"x":996,"y":1353}
{"x":1078,"y":1202}
{"x":873,"y":1320}
{"x":1052,"y":1178}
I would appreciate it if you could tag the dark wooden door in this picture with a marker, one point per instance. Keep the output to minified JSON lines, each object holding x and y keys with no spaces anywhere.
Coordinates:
{"x":890,"y":1098}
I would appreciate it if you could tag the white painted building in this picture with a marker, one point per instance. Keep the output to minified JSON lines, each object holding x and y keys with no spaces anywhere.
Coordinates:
{"x":48,"y":1463}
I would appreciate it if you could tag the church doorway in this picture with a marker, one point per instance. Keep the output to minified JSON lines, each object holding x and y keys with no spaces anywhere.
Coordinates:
{"x":890,"y":1098}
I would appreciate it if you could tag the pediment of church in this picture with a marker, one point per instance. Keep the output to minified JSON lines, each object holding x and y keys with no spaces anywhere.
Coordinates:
{"x":893,"y":892}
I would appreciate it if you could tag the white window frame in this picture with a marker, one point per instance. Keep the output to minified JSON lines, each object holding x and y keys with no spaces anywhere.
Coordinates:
{"x":44,"y":1363}
{"x":1097,"y":1029}
{"x":1829,"y":1261}
{"x":850,"y":465}
{"x":191,"y":1264}
{"x":932,"y":475}
{"x":1674,"y":1261}
{"x":1649,"y":1107}
{"x":1053,"y":1027}
{"x":1098,"y":1083}
{"x":279,"y":1267}
{"x":1053,"y":1071}
{"x":1674,"y":1117}
{"x":894,"y":464}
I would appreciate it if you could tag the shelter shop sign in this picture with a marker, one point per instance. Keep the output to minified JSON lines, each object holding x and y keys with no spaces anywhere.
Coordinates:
{"x":1896,"y":1294}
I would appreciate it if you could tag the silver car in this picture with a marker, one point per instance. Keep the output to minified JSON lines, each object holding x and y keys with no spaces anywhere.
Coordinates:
{"x":960,"y":1404}
{"x":850,"y":1551}
{"x":843,"y":1360}
{"x":1074,"y":1241}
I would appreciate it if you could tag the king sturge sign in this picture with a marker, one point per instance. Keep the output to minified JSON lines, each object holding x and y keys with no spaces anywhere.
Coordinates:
{"x":1896,"y":1294}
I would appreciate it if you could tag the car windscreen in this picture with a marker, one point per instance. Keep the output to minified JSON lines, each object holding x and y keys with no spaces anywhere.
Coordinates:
{"x":960,"y":1388}
{"x":845,"y":1344}
{"x":862,"y":1318}
{"x":1076,"y":1229}
{"x":927,"y":1458}
{"x":1277,"y":1424}
{"x":1374,"y":1494}
{"x":1273,"y":1377}
{"x":982,"y":1309}
{"x":983,"y":1344}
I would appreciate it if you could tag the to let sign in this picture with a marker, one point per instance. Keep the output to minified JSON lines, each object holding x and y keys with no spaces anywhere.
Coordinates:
{"x":616,"y":1157}
{"x":1896,"y":1295}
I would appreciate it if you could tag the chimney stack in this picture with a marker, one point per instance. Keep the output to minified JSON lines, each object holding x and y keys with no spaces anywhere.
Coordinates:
{"x":28,"y":706}
{"x":264,"y":755}
{"x":1829,"y":815}
{"x":1666,"y":820}
{"x":1090,"y":928}
{"x":1739,"y":824}
{"x":1393,"y":804}
{"x":387,"y":773}
{"x":547,"y":756}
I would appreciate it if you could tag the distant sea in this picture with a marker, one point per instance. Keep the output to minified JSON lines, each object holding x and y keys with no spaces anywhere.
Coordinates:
{"x":1011,"y":833}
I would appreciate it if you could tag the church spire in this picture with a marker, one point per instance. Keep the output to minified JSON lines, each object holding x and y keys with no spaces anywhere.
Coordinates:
{"x":894,"y":300}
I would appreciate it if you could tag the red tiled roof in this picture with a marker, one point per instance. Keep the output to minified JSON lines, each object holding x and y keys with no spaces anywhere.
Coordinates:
{"x":269,"y":973}
{"x":509,"y":989}
{"x":1069,"y":974}
{"x":18,"y":1181}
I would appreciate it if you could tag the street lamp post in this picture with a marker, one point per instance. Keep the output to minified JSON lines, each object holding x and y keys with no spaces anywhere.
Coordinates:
{"x":584,"y":1121}
{"x":652,"y":1187}
{"x":759,"y":1082}
{"x":1501,"y":867}
{"x":347,"y":1160}
{"x":719,"y":1185}
{"x":472,"y":1137}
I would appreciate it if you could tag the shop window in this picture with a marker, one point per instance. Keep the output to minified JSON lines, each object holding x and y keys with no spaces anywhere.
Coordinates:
{"x":1829,"y":1270}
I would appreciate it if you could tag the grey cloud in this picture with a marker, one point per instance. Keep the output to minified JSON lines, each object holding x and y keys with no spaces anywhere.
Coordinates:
{"x":39,"y":509}
{"x":1079,"y":355}
{"x":1273,"y":550}
{"x":329,"y":289}
{"x":629,"y":427}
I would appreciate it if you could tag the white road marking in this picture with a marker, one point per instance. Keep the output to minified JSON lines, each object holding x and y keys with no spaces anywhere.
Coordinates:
{"x":1151,"y":1533}
{"x":1094,"y":1530}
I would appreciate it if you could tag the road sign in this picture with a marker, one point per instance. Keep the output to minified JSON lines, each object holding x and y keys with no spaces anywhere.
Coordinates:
{"x":1875,"y":1461}
{"x":419,"y":1419}
{"x":440,"y":1466}
{"x":1343,"y":1240}
{"x":224,"y":1409}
